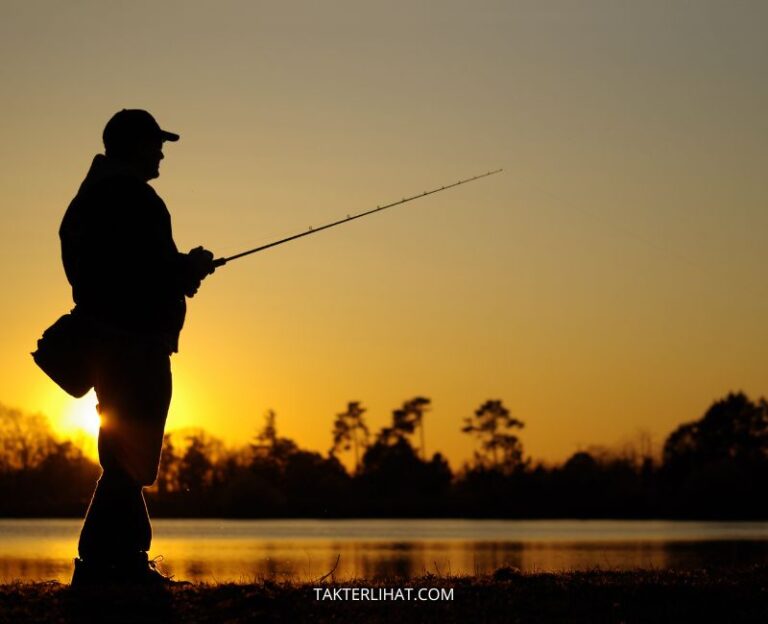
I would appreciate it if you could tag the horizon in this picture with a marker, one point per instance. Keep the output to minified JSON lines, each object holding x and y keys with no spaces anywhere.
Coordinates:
{"x":80,"y":426}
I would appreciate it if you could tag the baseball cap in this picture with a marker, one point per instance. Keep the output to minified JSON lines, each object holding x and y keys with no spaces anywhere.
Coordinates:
{"x":131,"y":125}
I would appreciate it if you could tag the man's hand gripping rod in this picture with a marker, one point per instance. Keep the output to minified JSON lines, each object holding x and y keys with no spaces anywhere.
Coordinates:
{"x":222,"y":261}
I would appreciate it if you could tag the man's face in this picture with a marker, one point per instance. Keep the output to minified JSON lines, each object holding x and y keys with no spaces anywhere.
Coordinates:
{"x":145,"y":156}
{"x":150,"y":154}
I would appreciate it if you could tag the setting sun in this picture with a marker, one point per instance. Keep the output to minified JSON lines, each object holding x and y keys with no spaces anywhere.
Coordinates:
{"x":81,"y":416}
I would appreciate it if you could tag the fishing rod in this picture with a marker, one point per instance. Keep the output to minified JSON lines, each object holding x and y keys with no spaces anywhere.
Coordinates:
{"x":222,"y":261}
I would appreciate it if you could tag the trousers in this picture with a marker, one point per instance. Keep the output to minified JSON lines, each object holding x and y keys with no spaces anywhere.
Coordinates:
{"x":132,"y":379}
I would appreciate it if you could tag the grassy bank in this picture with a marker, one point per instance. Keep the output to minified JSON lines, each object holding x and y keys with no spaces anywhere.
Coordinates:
{"x":506,"y":596}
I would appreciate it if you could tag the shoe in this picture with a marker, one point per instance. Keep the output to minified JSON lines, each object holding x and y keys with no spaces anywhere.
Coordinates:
{"x":138,"y":570}
{"x":89,"y":573}
{"x":85,"y":575}
{"x":151,"y":575}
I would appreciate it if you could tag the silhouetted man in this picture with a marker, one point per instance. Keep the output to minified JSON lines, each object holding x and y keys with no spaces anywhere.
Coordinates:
{"x":129,"y":284}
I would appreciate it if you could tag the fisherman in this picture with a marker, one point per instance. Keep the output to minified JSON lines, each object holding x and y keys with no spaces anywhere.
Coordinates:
{"x":129,"y":284}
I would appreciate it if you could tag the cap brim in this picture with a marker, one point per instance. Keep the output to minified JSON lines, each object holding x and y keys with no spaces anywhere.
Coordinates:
{"x":168,"y":136}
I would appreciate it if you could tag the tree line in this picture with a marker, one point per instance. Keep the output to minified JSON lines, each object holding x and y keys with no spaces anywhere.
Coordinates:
{"x":714,"y":467}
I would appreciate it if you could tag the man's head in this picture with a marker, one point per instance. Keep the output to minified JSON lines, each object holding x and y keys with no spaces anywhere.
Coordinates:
{"x":135,"y":138}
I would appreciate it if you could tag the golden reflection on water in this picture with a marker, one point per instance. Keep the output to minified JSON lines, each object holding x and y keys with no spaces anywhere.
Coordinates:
{"x":220,"y":551}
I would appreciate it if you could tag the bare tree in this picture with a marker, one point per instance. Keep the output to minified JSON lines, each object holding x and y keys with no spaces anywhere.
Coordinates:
{"x":350,"y":431}
{"x":405,"y":421}
{"x":268,"y":444}
{"x":25,"y":439}
{"x":493,"y":424}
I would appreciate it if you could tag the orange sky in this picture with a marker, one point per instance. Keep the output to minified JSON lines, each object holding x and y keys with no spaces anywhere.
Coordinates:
{"x":610,"y":280}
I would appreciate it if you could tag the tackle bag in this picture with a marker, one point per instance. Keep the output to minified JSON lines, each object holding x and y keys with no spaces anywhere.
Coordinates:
{"x":65,"y":354}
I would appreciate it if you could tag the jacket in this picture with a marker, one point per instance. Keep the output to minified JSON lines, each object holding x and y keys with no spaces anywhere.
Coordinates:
{"x":120,"y":258}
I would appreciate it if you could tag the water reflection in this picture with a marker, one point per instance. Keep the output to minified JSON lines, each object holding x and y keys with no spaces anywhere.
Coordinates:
{"x":243,"y":551}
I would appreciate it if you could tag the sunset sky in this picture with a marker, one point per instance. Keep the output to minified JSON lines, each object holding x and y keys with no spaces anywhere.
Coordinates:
{"x":610,"y":280}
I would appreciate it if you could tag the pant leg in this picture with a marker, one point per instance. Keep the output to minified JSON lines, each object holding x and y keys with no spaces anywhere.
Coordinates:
{"x":116,"y":526}
{"x":133,"y":386}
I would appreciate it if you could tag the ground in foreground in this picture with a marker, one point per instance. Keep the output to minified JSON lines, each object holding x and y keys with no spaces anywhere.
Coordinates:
{"x":734,"y":595}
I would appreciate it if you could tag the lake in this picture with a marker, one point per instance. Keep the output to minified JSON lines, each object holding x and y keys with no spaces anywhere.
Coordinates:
{"x":301,"y":549}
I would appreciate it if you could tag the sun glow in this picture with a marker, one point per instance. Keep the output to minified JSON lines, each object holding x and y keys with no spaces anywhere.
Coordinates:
{"x":80,"y":416}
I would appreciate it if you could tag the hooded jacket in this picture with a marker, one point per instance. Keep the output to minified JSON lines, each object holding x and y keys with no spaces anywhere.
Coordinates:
{"x":120,"y":258}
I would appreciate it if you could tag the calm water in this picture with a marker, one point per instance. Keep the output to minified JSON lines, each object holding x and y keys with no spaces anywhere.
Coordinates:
{"x":243,"y":550}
